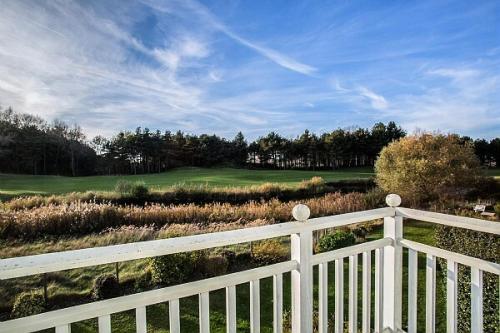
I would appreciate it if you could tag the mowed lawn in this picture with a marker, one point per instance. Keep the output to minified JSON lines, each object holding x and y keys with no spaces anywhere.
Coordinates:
{"x":11,"y":184}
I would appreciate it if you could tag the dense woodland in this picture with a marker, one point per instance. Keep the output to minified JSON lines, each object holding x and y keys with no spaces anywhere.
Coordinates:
{"x":30,"y":145}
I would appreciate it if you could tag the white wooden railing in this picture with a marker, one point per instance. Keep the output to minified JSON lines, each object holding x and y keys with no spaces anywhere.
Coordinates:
{"x":388,"y":264}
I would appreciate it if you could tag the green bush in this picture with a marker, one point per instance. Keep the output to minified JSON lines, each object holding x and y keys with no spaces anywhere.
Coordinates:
{"x":139,"y":190}
{"x":336,"y":240}
{"x":123,"y":187}
{"x":28,"y":303}
{"x":269,"y":252}
{"x":241,"y":261}
{"x":105,"y":286}
{"x":497,"y":210}
{"x":212,"y":266}
{"x":479,"y":245}
{"x":174,"y":268}
{"x":144,"y":282}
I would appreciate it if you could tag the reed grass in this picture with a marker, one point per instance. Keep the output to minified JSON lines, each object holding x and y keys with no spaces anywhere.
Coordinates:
{"x":81,"y":218}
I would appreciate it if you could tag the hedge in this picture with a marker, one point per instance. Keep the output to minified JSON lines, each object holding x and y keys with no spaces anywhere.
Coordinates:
{"x":480,"y":245}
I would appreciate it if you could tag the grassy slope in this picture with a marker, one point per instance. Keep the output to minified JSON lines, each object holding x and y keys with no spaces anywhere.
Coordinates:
{"x":26,"y":184}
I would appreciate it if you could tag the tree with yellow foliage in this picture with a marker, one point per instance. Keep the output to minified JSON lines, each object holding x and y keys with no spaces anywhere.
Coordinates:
{"x":427,"y":166}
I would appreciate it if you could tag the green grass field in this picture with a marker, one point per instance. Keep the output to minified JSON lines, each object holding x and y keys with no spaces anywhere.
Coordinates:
{"x":11,"y":185}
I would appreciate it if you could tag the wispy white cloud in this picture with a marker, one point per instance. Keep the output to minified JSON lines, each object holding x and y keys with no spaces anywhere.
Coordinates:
{"x":377,"y":101}
{"x":454,"y":73}
{"x":211,"y":20}
{"x":467,"y":104}
{"x":279,"y":58}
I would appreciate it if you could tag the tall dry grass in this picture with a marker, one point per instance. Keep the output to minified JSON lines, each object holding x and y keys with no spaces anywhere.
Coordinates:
{"x":80,"y":218}
{"x":197,"y":194}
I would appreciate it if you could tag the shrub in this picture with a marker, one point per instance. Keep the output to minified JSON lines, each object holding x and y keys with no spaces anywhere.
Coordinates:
{"x":480,"y":245}
{"x":144,"y":282}
{"x":336,"y":240}
{"x":123,"y":187}
{"x":139,"y":190}
{"x":314,"y":185}
{"x":173,"y":269}
{"x":269,"y":252}
{"x":28,"y":303}
{"x":212,"y":266}
{"x":426,"y":166}
{"x":242,"y":261}
{"x":497,"y":210}
{"x":105,"y":286}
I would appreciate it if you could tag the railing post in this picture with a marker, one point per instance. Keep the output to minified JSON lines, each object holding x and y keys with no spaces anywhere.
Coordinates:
{"x":393,"y":264}
{"x":302,"y":277}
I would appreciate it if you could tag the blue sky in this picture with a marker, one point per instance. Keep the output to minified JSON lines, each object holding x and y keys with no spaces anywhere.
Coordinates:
{"x":254,"y":66}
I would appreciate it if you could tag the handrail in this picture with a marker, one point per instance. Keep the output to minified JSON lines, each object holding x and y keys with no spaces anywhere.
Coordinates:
{"x":123,"y":303}
{"x":481,"y":264}
{"x":58,"y":261}
{"x":350,"y":250}
{"x":450,"y":220}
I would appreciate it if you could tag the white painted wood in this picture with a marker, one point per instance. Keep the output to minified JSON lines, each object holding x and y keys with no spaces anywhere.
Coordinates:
{"x":336,"y":221}
{"x":476,"y":293}
{"x":323,"y":298}
{"x":140,"y":320}
{"x":430,"y":294}
{"x":481,"y":264}
{"x":393,"y":274}
{"x":174,"y":320}
{"x":104,"y":323}
{"x":451,"y":296}
{"x":255,"y":306}
{"x":450,"y":220}
{"x":278,"y":303}
{"x":367,"y":292}
{"x":350,"y":250}
{"x":52,"y":262}
{"x":204,"y":312}
{"x":231,"y":309}
{"x":302,"y":282}
{"x":123,"y":303}
{"x":412,"y":290}
{"x":379,"y":271}
{"x":63,"y":328}
{"x":353,"y":294}
{"x":339,"y":296}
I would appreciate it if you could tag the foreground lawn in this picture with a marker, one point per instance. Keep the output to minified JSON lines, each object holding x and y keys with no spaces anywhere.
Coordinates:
{"x":11,"y":185}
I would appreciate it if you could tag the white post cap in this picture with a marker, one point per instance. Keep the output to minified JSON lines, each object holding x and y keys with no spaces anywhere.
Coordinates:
{"x":393,"y":200}
{"x":301,"y":212}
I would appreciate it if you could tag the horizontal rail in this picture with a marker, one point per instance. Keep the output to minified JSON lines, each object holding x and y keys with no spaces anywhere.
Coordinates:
{"x":481,"y":264}
{"x":124,"y":303}
{"x":58,"y":261}
{"x":450,"y":220}
{"x":349,"y":251}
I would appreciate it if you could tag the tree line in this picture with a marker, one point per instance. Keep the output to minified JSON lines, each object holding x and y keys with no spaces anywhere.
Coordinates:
{"x":28,"y":144}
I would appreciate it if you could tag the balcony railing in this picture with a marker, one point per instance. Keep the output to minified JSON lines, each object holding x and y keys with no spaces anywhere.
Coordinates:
{"x":388,"y":264}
